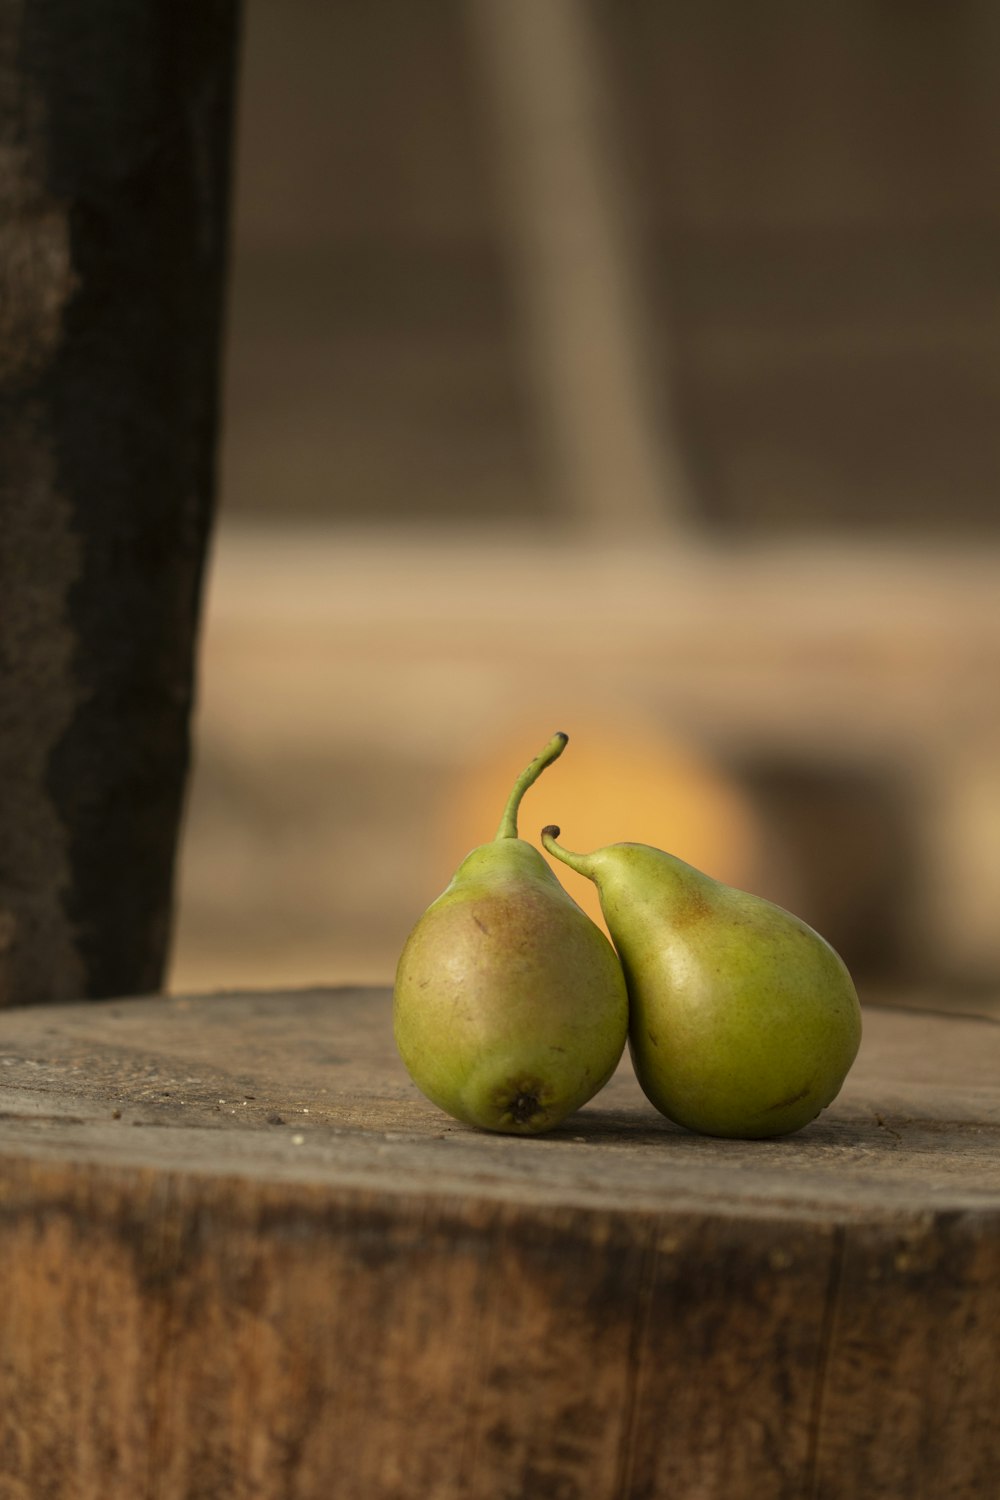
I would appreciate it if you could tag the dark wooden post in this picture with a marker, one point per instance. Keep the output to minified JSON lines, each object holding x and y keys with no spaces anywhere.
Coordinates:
{"x":115,"y":124}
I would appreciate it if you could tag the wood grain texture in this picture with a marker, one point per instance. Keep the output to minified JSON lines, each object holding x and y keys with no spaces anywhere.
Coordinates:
{"x":242,"y":1256}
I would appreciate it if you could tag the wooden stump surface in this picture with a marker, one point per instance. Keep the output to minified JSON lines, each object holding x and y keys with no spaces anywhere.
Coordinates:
{"x":242,"y":1256}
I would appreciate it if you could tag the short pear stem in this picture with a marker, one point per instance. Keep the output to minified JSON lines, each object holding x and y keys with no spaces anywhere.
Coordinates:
{"x":581,"y":863}
{"x":530,"y":774}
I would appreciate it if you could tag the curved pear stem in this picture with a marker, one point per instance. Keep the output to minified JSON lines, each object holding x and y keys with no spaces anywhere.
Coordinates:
{"x":581,"y":863}
{"x":530,"y":774}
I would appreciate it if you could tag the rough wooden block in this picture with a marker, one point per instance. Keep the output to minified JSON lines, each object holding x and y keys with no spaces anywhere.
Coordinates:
{"x":241,"y":1256}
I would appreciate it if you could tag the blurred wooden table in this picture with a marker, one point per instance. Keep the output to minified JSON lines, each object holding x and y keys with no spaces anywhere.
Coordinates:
{"x":241,"y":1256}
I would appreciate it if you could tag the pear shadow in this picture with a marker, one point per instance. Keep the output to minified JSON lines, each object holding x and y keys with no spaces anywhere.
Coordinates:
{"x":608,"y":1127}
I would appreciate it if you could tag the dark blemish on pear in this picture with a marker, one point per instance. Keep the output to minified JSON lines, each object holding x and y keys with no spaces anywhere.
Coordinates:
{"x":786,"y":1103}
{"x":481,"y":925}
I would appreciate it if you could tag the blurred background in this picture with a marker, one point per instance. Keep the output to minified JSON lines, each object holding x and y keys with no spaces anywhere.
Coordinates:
{"x":627,"y":370}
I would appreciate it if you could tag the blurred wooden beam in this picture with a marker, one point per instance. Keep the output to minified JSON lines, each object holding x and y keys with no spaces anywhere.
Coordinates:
{"x":615,"y":454}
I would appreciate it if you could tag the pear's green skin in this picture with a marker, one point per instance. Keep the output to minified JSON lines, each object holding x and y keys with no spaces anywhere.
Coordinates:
{"x":743,"y":1020}
{"x":509,"y":1008}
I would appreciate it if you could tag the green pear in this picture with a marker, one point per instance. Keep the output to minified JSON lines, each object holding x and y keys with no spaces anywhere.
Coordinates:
{"x":743,"y":1021}
{"x":509,"y":1008}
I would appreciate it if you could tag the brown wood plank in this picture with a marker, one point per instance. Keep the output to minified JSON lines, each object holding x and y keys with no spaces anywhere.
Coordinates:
{"x":370,"y":1300}
{"x":912,"y":1386}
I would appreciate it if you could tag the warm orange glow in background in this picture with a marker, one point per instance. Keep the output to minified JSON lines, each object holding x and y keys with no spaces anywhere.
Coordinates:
{"x":612,"y":784}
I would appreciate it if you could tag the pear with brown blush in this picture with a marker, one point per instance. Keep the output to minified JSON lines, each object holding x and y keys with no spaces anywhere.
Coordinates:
{"x":509,"y":1008}
{"x":743,"y":1020}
